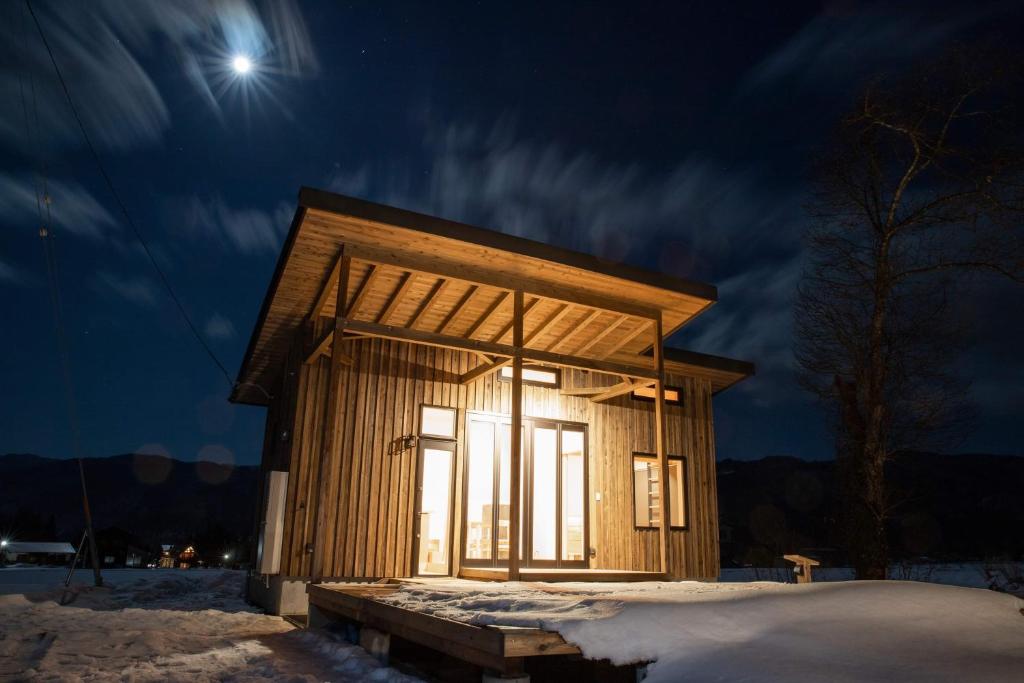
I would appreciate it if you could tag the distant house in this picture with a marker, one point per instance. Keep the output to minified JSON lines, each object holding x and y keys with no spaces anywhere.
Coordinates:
{"x":27,"y":552}
{"x":445,"y":400}
{"x":119,"y":548}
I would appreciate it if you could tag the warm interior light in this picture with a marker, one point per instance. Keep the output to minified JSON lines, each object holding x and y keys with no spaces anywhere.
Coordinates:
{"x":241,"y":64}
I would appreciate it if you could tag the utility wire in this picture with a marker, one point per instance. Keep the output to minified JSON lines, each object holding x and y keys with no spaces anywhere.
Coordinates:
{"x":33,"y":137}
{"x":124,"y":209}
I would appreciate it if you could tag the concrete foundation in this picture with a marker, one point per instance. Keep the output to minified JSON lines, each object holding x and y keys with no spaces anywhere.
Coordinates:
{"x":279,"y":594}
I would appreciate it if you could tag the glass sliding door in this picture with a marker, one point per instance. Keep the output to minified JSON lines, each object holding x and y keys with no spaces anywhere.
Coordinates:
{"x":434,"y":507}
{"x":544,"y":494}
{"x":480,"y":479}
{"x":574,"y":496}
{"x":553,"y":524}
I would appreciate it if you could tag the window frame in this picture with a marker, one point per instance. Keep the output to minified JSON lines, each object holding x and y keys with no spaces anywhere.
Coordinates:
{"x":669,"y":402}
{"x":686,"y":490}
{"x":439,"y":437}
{"x":557,"y":372}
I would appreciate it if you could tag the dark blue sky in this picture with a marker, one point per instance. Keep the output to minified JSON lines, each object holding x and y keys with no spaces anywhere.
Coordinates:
{"x":674,"y":137}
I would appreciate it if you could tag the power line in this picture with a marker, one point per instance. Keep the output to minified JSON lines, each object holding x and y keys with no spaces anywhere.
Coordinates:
{"x":63,"y":345}
{"x":123,"y":208}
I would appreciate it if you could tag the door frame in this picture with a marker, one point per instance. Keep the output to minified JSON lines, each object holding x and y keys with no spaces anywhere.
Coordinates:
{"x":526,"y":491}
{"x":558,"y":562}
{"x":440,"y":445}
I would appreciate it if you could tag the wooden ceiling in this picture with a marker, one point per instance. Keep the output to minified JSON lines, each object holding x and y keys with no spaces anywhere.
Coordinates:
{"x":421,"y":273}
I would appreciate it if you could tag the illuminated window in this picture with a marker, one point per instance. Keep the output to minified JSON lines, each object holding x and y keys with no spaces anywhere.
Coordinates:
{"x":647,"y":491}
{"x":437,"y":422}
{"x":672,"y":394}
{"x":536,"y":375}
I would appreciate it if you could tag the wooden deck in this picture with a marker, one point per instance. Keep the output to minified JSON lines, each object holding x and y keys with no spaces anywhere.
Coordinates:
{"x":557,"y":575}
{"x":498,"y":648}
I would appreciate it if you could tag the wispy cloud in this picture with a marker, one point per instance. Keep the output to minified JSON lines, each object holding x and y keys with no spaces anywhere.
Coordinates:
{"x":219,"y":327}
{"x":13,"y":275}
{"x":72,"y":207}
{"x":246,"y":230}
{"x":575,"y":199}
{"x":839,"y":43}
{"x":136,"y":290}
{"x":101,"y":44}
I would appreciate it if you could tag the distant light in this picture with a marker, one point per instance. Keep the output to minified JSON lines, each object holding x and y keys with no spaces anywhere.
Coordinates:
{"x":226,"y":556}
{"x":241,"y":64}
{"x":3,"y":543}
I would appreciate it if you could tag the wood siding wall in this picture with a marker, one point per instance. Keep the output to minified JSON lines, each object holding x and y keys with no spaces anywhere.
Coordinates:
{"x":367,"y":490}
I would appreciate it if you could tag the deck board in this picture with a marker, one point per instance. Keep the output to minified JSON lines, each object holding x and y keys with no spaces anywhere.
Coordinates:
{"x":494,"y":647}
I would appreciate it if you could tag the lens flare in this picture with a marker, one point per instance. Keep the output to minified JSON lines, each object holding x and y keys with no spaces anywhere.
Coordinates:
{"x":241,"y":64}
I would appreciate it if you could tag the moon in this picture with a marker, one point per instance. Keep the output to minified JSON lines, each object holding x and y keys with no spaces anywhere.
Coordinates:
{"x":241,"y":64}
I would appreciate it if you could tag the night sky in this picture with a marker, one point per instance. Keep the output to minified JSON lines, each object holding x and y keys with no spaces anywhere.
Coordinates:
{"x":675,"y":137}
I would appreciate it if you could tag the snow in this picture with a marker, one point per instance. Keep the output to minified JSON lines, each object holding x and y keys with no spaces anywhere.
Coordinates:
{"x":160,"y":625}
{"x":167,"y":624}
{"x":760,"y":631}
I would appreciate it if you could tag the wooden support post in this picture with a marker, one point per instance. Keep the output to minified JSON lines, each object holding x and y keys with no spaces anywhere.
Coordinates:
{"x":324,"y":517}
{"x":517,"y":437}
{"x":660,"y":438}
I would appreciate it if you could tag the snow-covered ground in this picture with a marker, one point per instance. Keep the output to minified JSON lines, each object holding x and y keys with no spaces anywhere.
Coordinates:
{"x":1003,"y":576}
{"x":160,"y":625}
{"x":762,"y":631}
{"x":149,"y":625}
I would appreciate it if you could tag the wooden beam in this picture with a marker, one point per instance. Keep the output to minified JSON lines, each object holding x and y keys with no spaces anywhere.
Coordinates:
{"x":661,"y":447}
{"x":504,"y":331}
{"x":620,"y":389}
{"x":625,"y":340}
{"x":580,"y":326}
{"x":548,"y":323}
{"x":487,"y":315}
{"x":322,"y":346}
{"x":408,"y":280}
{"x":600,"y":335}
{"x":472,"y":275}
{"x":493,"y":349}
{"x":483,"y":370}
{"x":364,"y":290}
{"x":584,"y":391}
{"x":453,"y":315}
{"x":438,"y":290}
{"x":517,"y":436}
{"x":326,"y":288}
{"x":329,"y":469}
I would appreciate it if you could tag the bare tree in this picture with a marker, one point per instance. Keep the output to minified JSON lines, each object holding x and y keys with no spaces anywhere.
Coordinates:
{"x":921,"y":186}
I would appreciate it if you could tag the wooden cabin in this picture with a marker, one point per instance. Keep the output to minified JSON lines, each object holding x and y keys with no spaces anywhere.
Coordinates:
{"x":436,"y":391}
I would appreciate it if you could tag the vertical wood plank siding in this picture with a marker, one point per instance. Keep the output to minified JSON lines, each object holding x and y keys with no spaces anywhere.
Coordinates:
{"x":366,"y":513}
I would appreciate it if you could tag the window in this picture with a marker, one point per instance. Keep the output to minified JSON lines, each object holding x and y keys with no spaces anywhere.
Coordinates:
{"x":437,"y":422}
{"x":647,"y":491}
{"x":672,"y":395}
{"x":534,"y":374}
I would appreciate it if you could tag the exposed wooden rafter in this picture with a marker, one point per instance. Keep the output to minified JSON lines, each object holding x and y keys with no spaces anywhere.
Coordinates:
{"x":453,"y":315}
{"x":326,"y":288}
{"x":574,"y":332}
{"x":471,"y":274}
{"x":438,"y":290}
{"x":548,"y":323}
{"x":485,"y":348}
{"x":488,"y":314}
{"x":507,"y":329}
{"x":587,"y":345}
{"x":617,"y":346}
{"x":364,"y":290}
{"x":408,"y":280}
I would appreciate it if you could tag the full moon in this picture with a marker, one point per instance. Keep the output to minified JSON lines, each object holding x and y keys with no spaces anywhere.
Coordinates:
{"x":241,"y":64}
